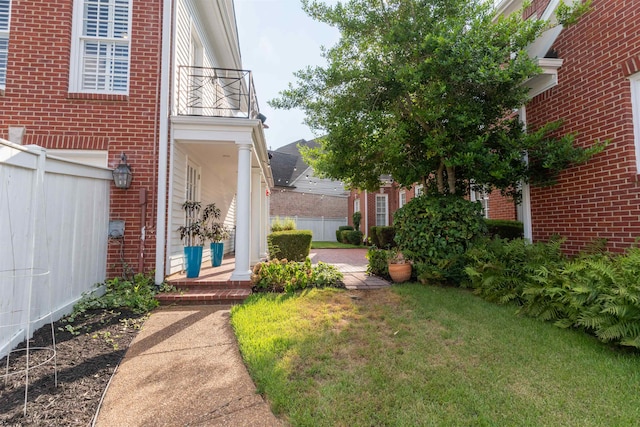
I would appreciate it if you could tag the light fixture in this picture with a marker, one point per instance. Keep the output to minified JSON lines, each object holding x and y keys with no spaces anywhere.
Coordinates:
{"x":122,"y":174}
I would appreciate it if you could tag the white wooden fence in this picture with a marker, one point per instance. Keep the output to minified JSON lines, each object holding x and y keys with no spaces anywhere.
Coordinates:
{"x":54,"y":217}
{"x":323,"y":228}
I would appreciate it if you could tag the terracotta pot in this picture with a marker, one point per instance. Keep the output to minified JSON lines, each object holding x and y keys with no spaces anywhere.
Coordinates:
{"x":400,"y":272}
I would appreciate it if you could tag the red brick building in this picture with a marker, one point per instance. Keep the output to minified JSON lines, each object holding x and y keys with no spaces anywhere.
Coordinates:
{"x":160,"y":81}
{"x":597,"y":95}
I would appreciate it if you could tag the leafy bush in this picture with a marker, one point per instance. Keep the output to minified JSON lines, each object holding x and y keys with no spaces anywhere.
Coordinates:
{"x":436,"y":231}
{"x":357,"y":217}
{"x":340,"y":236}
{"x":137,"y":294}
{"x":373,"y":236}
{"x":499,"y":270}
{"x":293,"y":245}
{"x":386,"y":236}
{"x":353,"y":237}
{"x":377,"y":265}
{"x":286,"y":224}
{"x":504,"y":229}
{"x":599,"y":293}
{"x":289,"y":276}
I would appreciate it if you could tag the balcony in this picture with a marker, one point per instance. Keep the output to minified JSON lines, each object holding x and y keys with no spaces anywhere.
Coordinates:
{"x":216,"y":92}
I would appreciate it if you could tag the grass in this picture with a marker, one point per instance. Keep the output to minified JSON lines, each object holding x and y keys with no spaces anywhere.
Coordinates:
{"x":334,"y":245}
{"x":414,"y":355}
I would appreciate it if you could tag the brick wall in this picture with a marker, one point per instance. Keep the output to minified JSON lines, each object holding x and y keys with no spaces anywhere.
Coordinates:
{"x":291,"y":203}
{"x":501,"y":207}
{"x":601,"y":198}
{"x":369,"y":199}
{"x":37,"y":98}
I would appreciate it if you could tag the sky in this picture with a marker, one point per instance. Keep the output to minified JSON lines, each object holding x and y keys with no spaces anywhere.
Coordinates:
{"x":277,"y":39}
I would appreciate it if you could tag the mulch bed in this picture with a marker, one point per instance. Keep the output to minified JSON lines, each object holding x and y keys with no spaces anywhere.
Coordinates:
{"x":87,"y":353}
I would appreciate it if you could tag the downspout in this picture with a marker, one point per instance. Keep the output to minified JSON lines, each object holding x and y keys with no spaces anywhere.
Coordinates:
{"x":526,"y":194}
{"x":163,"y":142}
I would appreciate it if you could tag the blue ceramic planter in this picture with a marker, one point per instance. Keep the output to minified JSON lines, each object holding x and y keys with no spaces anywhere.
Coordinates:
{"x":193,"y":260}
{"x":217,"y":250}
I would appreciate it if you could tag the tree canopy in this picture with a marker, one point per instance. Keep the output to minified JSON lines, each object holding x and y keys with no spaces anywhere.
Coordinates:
{"x":425,"y":90}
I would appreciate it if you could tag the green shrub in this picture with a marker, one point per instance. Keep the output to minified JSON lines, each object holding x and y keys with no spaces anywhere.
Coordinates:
{"x":290,"y":276}
{"x":285,"y":224}
{"x":293,"y":245}
{"x":504,"y":229}
{"x":357,"y":217}
{"x":500,"y":270}
{"x":437,"y":230}
{"x":373,"y":236}
{"x":386,"y":236}
{"x":353,"y":237}
{"x":599,"y":293}
{"x":377,"y":265}
{"x":340,"y":236}
{"x":137,"y":294}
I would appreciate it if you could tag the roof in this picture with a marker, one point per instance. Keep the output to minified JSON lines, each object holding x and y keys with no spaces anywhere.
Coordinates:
{"x":287,"y":163}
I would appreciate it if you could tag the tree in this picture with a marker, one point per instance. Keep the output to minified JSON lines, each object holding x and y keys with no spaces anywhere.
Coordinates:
{"x":425,"y":90}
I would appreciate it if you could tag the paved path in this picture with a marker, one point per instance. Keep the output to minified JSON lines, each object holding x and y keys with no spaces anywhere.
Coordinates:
{"x":353,"y":264}
{"x":184,"y":367}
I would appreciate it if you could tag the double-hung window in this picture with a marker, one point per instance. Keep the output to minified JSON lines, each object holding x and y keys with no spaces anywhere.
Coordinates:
{"x":382,"y":211}
{"x":5,"y":19}
{"x":101,"y":46}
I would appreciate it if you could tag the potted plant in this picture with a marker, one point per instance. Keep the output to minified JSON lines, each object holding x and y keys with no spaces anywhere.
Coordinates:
{"x":215,"y":232}
{"x":193,"y":235}
{"x":399,"y":267}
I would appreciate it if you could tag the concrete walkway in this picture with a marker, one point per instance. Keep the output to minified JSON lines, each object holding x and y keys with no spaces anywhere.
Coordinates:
{"x":353,"y":264}
{"x":184,"y":367}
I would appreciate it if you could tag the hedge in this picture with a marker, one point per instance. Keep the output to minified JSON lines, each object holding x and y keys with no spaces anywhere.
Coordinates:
{"x":339,"y":237}
{"x":293,"y":245}
{"x":504,"y":229}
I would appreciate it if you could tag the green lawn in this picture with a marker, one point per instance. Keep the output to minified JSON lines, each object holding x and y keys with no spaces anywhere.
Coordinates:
{"x":334,"y":245}
{"x":413,"y":355}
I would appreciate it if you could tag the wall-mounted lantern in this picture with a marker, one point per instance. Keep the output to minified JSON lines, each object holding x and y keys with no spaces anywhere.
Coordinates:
{"x":122,"y":174}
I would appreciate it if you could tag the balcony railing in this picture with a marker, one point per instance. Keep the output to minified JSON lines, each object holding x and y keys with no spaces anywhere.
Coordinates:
{"x":216,"y":92}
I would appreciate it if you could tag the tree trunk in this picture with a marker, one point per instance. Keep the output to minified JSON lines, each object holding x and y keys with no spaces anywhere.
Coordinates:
{"x":451,"y":179}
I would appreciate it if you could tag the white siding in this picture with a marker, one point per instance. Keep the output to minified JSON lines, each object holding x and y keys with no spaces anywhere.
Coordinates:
{"x":307,"y":182}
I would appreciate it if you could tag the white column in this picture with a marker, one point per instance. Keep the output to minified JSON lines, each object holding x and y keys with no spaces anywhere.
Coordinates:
{"x":264,"y":222}
{"x":242,"y":271}
{"x":256,"y":214}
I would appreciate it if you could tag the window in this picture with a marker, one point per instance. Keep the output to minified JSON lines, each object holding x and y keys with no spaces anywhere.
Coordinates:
{"x":5,"y":19}
{"x":403,"y":199}
{"x":483,"y":198}
{"x":419,"y":190}
{"x":356,"y":205}
{"x":635,"y":104}
{"x":382,"y":217}
{"x":100,"y":54}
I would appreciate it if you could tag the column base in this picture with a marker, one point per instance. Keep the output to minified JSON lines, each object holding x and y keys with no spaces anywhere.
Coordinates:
{"x":241,"y":276}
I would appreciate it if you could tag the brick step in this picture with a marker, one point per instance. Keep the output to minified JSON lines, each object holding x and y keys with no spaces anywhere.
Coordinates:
{"x":212,"y":285}
{"x":204,"y":297}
